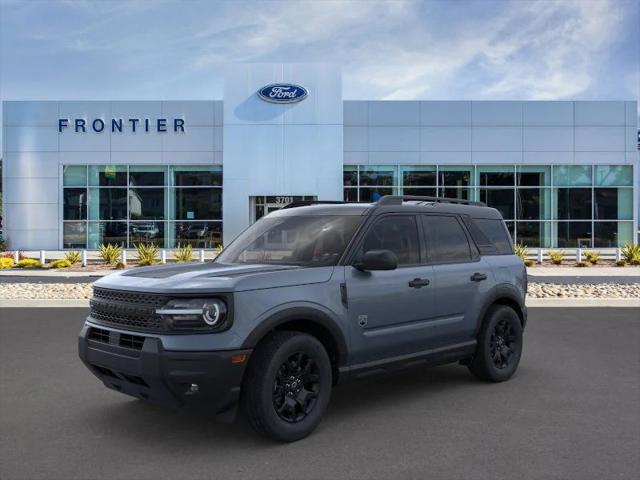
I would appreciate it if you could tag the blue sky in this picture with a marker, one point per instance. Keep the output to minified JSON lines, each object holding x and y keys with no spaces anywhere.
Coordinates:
{"x":550,"y":50}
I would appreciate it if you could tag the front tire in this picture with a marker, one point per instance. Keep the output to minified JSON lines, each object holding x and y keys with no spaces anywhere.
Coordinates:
{"x":288,"y":386}
{"x":499,"y":345}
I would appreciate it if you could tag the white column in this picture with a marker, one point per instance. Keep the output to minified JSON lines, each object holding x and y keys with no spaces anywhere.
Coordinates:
{"x":201,"y":255}
{"x":163,"y":256}
{"x":123,"y":256}
{"x":84,"y":258}
{"x":540,"y":255}
{"x":42,"y":259}
{"x":578,"y":255}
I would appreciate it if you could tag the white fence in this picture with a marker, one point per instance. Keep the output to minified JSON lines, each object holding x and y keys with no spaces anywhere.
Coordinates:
{"x":574,"y":254}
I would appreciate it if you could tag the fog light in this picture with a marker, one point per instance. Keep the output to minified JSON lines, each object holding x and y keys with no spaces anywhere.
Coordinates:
{"x":193,"y":389}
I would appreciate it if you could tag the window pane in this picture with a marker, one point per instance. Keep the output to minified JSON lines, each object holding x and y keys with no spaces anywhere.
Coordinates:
{"x":107,"y":204}
{"x":420,"y":175}
{"x":573,"y":203}
{"x":572,"y":175}
{"x":613,"y":203}
{"x":511,"y":227}
{"x":494,"y":231}
{"x":146,"y":175}
{"x":532,"y":175}
{"x":533,"y":203}
{"x":455,"y":176}
{"x":425,"y":192}
{"x":75,"y":204}
{"x":74,"y":176}
{"x":378,"y":175}
{"x":612,"y":234}
{"x":534,"y":234}
{"x":501,"y":199}
{"x":457,"y":193}
{"x":614,"y":175}
{"x":350,"y":194}
{"x":398,"y":234}
{"x":107,"y":232}
{"x":350,"y":175}
{"x":196,"y":234}
{"x":374,"y":194}
{"x":574,"y":234}
{"x":448,"y":242}
{"x":494,"y":176}
{"x":197,"y":203}
{"x":108,"y":175}
{"x":146,"y":232}
{"x":146,"y":203}
{"x":74,"y":235}
{"x":196,"y":176}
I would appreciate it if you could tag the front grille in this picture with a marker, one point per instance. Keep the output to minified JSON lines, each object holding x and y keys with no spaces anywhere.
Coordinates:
{"x":127,"y":309}
{"x":99,"y":335}
{"x":131,"y":341}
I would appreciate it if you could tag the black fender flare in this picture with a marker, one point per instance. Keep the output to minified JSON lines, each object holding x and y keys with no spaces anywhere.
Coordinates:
{"x":303,"y":313}
{"x":502,"y":291}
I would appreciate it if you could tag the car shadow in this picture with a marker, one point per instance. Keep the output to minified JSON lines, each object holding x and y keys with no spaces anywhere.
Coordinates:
{"x":140,"y":421}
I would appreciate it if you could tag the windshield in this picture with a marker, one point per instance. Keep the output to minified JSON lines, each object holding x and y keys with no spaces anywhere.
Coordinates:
{"x":309,"y":241}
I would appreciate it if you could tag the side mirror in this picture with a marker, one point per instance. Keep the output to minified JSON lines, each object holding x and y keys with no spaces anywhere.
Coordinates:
{"x":377,"y":260}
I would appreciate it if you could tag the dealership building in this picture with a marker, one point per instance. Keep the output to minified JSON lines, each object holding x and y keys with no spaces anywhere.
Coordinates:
{"x":80,"y":173}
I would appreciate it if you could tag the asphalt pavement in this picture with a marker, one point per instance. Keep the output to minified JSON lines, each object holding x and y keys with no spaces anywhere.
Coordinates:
{"x":571,"y":412}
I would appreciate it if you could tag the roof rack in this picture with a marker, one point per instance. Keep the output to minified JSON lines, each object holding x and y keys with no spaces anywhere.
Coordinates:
{"x":398,"y":199}
{"x":306,"y":203}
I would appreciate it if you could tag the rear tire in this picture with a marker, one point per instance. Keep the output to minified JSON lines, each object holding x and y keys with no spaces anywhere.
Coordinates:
{"x":499,"y":345}
{"x":287,"y":386}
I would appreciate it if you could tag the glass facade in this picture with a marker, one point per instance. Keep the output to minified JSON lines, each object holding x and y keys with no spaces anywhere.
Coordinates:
{"x":132,"y":204}
{"x":550,"y":206}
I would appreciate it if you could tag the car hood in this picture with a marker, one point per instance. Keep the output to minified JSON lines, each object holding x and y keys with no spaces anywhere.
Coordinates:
{"x":212,"y":277}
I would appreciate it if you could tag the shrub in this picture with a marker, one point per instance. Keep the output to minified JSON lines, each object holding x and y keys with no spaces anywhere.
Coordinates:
{"x":110,"y":253}
{"x":582,"y":263}
{"x":21,"y":256}
{"x":217,"y":250}
{"x":147,"y":254}
{"x":73,"y":257}
{"x":6,"y":263}
{"x":556,"y":256}
{"x":631,"y":253}
{"x":592,"y":257}
{"x":621,"y":263}
{"x":120,"y":266}
{"x":61,"y":263}
{"x":29,"y":263}
{"x":528,"y":263}
{"x":184,"y":254}
{"x":522,"y":251}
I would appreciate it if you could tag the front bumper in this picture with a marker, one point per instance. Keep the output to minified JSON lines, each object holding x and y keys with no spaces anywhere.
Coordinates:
{"x":138,"y":365}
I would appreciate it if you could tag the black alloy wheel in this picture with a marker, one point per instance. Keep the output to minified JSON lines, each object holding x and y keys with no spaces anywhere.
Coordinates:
{"x":296,"y":387}
{"x":499,"y":345}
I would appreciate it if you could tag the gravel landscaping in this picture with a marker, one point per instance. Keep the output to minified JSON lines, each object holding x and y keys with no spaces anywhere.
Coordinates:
{"x":536,"y":290}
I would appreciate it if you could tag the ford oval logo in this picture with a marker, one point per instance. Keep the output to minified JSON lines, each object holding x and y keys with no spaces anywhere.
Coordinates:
{"x":283,"y":93}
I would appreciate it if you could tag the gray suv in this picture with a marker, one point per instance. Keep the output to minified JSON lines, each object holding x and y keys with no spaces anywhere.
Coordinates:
{"x":310,"y":296}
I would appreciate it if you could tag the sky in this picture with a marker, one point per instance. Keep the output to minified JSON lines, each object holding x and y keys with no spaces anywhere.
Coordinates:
{"x":404,"y":50}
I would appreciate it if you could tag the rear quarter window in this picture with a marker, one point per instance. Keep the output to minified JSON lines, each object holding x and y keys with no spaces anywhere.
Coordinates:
{"x":491,"y":236}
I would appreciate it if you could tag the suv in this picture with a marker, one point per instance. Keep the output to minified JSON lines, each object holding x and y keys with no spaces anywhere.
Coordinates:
{"x":310,"y":296}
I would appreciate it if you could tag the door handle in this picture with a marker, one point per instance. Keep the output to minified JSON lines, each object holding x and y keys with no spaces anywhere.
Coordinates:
{"x":478,"y":277}
{"x":419,"y":282}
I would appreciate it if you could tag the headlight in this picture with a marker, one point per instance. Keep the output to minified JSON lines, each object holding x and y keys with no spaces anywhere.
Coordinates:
{"x":195,"y":313}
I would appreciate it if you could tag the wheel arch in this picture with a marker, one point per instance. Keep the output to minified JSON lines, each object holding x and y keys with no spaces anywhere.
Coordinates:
{"x":506,"y":295}
{"x":307,"y":320}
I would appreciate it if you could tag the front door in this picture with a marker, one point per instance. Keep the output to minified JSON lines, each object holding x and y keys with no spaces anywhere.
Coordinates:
{"x":389,"y":311}
{"x":264,"y":204}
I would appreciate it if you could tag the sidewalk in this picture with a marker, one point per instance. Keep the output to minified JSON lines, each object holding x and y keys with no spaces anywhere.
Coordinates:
{"x":584,"y":272}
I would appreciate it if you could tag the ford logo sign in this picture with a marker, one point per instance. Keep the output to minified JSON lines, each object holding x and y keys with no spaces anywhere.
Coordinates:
{"x":283,"y":93}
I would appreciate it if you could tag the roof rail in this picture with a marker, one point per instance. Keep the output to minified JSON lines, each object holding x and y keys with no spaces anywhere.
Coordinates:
{"x":398,"y":199}
{"x":306,"y":203}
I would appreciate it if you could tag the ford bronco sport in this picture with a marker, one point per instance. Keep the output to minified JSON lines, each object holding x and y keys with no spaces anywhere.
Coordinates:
{"x":310,"y":296}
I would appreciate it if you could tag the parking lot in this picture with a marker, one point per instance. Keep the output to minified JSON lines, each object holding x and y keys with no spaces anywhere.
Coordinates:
{"x":571,"y":411}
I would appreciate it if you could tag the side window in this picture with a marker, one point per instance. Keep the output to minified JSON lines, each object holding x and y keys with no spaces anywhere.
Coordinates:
{"x":447,"y":241}
{"x":496,"y":232}
{"x":396,"y":233}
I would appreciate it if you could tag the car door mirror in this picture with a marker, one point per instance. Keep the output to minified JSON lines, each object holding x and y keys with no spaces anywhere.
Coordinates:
{"x":377,"y":260}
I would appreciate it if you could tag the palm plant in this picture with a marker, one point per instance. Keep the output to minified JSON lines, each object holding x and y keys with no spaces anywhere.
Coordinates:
{"x":110,"y":253}
{"x":147,"y":253}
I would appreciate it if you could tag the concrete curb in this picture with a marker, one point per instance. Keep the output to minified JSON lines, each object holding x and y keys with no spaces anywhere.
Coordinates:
{"x":44,"y":303}
{"x":583,"y":302}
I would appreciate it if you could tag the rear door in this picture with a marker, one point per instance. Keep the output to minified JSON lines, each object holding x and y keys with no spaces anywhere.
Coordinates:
{"x":389,"y":310}
{"x":460,"y":277}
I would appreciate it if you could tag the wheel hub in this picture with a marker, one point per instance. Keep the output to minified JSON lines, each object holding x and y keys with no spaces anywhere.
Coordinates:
{"x":296,"y":387}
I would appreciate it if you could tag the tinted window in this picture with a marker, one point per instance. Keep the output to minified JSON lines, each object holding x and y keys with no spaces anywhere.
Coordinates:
{"x":494,"y":231}
{"x":447,"y":240}
{"x":398,"y":234}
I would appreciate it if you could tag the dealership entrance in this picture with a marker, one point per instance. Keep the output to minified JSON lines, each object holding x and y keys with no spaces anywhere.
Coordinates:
{"x":264,"y":204}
